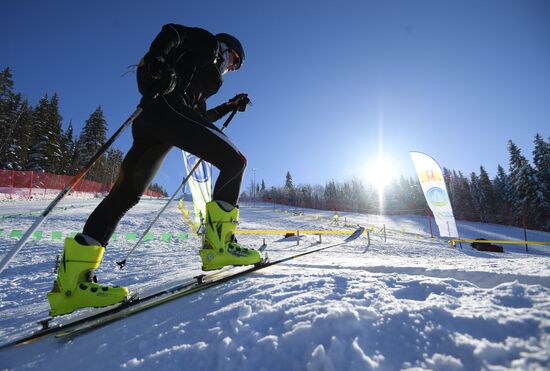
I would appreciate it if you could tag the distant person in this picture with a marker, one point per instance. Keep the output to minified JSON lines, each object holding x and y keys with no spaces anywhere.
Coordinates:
{"x":185,"y":65}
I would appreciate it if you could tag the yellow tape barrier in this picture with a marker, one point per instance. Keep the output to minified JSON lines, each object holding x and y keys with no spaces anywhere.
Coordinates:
{"x":505,"y":242}
{"x":284,"y":231}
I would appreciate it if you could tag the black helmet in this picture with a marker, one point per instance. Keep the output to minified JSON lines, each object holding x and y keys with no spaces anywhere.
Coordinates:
{"x":233,"y":44}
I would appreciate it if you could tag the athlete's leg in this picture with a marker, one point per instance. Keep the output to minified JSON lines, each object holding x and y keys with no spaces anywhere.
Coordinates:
{"x":136,"y":173}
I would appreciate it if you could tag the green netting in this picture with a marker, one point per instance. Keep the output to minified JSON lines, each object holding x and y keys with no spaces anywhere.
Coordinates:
{"x":114,"y":237}
{"x":148,"y":237}
{"x":183,"y":236}
{"x":16,"y":233}
{"x":72,"y":234}
{"x":165,"y":237}
{"x":131,"y":236}
{"x":57,"y":235}
{"x":38,"y":235}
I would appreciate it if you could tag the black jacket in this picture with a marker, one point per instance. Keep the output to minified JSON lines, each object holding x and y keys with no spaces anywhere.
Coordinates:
{"x":193,"y":53}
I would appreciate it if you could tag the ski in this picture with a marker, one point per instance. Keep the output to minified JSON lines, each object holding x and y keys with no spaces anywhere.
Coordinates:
{"x":140,"y":302}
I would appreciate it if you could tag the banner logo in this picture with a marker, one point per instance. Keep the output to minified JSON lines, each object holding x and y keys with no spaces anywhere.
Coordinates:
{"x":437,"y":196}
{"x":201,"y":175}
{"x":430,"y":176}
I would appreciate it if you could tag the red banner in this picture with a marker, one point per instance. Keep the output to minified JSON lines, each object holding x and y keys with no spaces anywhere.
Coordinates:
{"x":29,"y":184}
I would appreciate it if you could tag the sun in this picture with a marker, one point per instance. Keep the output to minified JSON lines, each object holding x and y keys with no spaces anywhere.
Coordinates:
{"x":380,"y":173}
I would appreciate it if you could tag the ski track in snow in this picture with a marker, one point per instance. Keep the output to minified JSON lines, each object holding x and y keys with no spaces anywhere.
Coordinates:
{"x":405,"y":303}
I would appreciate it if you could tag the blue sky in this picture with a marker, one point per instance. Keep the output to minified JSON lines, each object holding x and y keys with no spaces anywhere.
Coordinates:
{"x":333,"y":84}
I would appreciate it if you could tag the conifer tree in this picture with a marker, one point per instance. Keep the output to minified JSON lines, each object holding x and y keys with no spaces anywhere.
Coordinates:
{"x":288,"y":181}
{"x":476,"y":196}
{"x":38,"y":152}
{"x":463,"y":198}
{"x":447,"y":178}
{"x":6,"y":109}
{"x":19,"y":139}
{"x":486,"y":196}
{"x":76,"y":159}
{"x":10,"y":114}
{"x":501,"y":191}
{"x":93,"y":136}
{"x":53,"y":147}
{"x":527,"y":199}
{"x":67,"y":148}
{"x":541,"y":160}
{"x":114,"y":160}
{"x":331,"y":194}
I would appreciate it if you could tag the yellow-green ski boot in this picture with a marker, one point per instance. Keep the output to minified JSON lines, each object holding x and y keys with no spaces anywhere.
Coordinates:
{"x":74,"y":287}
{"x":220,"y":247}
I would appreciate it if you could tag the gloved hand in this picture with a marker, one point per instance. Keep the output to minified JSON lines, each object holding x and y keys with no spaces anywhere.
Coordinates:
{"x":240,"y":101}
{"x":165,"y":75}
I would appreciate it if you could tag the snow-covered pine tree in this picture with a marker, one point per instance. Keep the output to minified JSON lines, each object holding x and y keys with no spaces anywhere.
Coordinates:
{"x":486,"y":196}
{"x":288,"y":181}
{"x":476,"y":196}
{"x":331,"y":195}
{"x":53,"y":147}
{"x":38,"y":152}
{"x":463,"y":198}
{"x":93,"y":136}
{"x":447,"y":178}
{"x":10,"y":116}
{"x":19,"y":139}
{"x":76,"y":159}
{"x":6,"y":110}
{"x":67,"y":147}
{"x":502,"y":192}
{"x":418,"y":194}
{"x":527,"y":198}
{"x":114,"y":160}
{"x":541,"y":160}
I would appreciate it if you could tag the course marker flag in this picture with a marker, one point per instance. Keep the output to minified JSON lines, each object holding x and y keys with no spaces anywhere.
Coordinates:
{"x":431,"y":179}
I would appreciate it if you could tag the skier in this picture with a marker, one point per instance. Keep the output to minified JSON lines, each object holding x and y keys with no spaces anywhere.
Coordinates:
{"x":184,"y":67}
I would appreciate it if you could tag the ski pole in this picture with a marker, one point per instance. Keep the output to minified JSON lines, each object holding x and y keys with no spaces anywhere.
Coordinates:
{"x":122,"y":263}
{"x":72,"y":183}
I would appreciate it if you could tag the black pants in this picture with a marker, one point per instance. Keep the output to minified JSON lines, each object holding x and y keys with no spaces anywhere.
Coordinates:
{"x":164,"y":124}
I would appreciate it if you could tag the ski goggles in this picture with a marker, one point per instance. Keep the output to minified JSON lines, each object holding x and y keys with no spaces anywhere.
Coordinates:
{"x":230,"y":61}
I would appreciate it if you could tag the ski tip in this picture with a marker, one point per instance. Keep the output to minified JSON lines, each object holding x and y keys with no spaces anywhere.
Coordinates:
{"x":358,"y":232}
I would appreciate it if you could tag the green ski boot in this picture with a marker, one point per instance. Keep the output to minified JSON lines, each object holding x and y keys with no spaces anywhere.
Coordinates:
{"x":221,"y":248}
{"x":74,"y":287}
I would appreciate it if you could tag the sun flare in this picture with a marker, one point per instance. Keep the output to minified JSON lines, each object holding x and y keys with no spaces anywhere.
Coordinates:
{"x":380,"y":172}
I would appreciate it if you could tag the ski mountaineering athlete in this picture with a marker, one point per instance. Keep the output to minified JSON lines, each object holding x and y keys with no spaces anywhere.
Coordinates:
{"x":185,"y":65}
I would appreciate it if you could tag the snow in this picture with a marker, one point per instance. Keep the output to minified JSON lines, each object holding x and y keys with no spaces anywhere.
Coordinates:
{"x":411,"y":302}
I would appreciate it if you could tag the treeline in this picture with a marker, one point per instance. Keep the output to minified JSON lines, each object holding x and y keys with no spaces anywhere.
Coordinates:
{"x":402,"y":196}
{"x":32,"y":138}
{"x":519,"y":196}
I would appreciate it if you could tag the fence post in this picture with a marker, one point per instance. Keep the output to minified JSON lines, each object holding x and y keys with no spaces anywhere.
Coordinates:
{"x":12,"y":183}
{"x":44,"y":183}
{"x":384,"y":232}
{"x":430,"y":222}
{"x":297,"y":238}
{"x":525,"y":236}
{"x":30,"y":185}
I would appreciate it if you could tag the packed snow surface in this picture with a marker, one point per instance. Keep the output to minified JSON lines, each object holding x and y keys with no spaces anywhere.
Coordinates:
{"x":410,"y":302}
